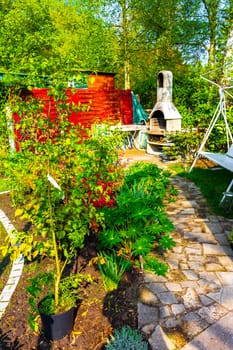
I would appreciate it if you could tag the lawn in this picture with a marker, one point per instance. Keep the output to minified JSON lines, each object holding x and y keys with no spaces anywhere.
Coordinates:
{"x":212,"y":183}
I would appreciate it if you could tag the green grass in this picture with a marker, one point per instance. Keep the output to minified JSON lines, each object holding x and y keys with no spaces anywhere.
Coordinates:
{"x":212,"y":183}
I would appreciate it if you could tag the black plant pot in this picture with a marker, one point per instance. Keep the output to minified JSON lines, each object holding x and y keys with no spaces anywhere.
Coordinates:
{"x":57,"y":326}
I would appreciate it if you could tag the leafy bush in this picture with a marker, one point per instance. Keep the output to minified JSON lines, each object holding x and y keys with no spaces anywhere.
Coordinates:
{"x":57,"y":176}
{"x":126,"y":339}
{"x":138,"y":223}
{"x":184,"y":145}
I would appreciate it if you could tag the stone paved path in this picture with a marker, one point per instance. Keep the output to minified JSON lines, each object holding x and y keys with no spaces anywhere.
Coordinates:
{"x":197,"y":294}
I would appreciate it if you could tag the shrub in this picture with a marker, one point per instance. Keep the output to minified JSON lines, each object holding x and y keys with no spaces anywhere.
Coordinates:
{"x":138,"y":223}
{"x":126,"y":338}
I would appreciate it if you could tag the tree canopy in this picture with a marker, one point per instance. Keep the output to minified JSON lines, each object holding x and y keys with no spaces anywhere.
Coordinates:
{"x":133,"y":38}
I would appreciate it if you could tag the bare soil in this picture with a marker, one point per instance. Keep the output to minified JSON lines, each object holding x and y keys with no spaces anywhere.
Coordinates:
{"x":98,"y":314}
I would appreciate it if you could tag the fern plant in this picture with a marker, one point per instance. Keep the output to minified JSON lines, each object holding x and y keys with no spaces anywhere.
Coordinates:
{"x":126,"y":338}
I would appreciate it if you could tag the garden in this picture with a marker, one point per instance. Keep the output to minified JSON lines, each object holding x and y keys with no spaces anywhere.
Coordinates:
{"x":86,"y":225}
{"x":86,"y":222}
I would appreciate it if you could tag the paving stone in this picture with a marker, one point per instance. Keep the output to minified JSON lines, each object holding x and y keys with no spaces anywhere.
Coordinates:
{"x":226,"y":278}
{"x":184,"y":266}
{"x":187,"y":204}
{"x":190,"y":299}
{"x":213,"y":249}
{"x":215,"y":227}
{"x":205,"y":300}
{"x":192,"y":276}
{"x":172,"y":322}
{"x":189,"y":211}
{"x":157,"y":287}
{"x":167,"y":298}
{"x":212,"y":313}
{"x":148,"y":278}
{"x":200,"y":220}
{"x":211,"y":277}
{"x":147,"y":315}
{"x":172,"y":263}
{"x":196,"y":266}
{"x":160,"y":341}
{"x":214,"y":267}
{"x":193,"y":324}
{"x":191,"y":235}
{"x":206,"y":227}
{"x":195,"y":251}
{"x":176,"y":257}
{"x":222,"y":239}
{"x":148,"y":329}
{"x":218,"y":336}
{"x":195,"y":245}
{"x":224,"y":297}
{"x":227,"y":262}
{"x":197,"y":227}
{"x":165,"y":311}
{"x":197,"y":258}
{"x":200,"y":290}
{"x":228,"y":250}
{"x":173,"y":287}
{"x":177,"y":309}
{"x":177,"y":249}
{"x":189,"y":284}
{"x":207,"y":238}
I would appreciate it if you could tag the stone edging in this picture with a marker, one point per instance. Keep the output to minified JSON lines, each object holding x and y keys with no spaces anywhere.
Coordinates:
{"x":16,"y":270}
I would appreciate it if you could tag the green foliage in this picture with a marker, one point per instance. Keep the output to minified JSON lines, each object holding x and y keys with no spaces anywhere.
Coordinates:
{"x":152,"y":264}
{"x":112,"y":268}
{"x":212,"y":184}
{"x":138,"y":223}
{"x":184,"y":145}
{"x":57,"y":177}
{"x":126,"y":338}
{"x":42,"y":285}
{"x":42,"y":38}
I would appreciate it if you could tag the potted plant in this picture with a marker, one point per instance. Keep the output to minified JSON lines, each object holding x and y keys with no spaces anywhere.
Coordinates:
{"x":53,"y":294}
{"x":57,"y":320}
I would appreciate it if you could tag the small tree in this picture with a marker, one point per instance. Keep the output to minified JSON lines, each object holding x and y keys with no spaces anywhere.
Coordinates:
{"x":57,"y":178}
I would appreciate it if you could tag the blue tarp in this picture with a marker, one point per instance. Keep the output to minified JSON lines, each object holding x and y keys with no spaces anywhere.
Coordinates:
{"x":139,"y":115}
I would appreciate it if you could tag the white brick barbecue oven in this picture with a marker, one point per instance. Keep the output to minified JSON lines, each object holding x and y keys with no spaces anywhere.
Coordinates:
{"x":164,"y":116}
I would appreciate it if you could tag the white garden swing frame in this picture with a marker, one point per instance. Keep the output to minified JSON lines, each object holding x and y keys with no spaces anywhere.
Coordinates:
{"x":225,"y":160}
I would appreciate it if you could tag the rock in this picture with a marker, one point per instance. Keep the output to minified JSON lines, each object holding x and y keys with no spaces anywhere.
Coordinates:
{"x":160,"y":341}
